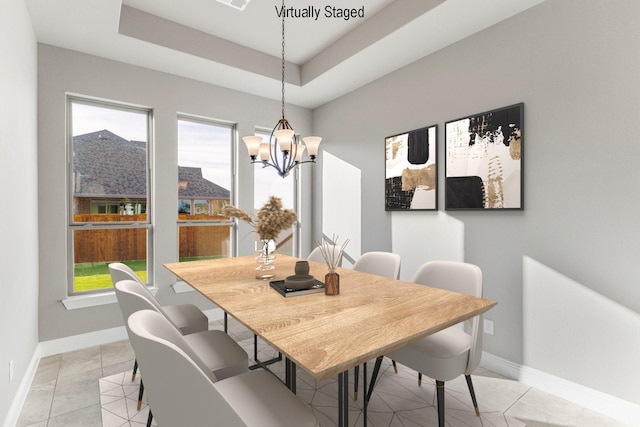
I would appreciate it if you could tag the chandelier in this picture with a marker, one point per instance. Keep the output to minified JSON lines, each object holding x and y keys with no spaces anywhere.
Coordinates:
{"x":284,"y":151}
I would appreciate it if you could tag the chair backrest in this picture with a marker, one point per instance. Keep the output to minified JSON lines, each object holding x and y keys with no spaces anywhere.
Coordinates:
{"x":132,"y":296}
{"x":180,"y":392}
{"x":458,"y":277}
{"x":316,"y":254}
{"x":120,"y":271}
{"x":385,"y":264}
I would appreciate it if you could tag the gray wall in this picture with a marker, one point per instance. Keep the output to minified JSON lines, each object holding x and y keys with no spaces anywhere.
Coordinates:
{"x":19,"y":206}
{"x":576,"y":67}
{"x":62,"y":71}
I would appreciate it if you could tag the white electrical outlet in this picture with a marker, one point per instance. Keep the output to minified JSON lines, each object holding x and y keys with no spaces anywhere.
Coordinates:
{"x":11,"y":371}
{"x":488,"y":327}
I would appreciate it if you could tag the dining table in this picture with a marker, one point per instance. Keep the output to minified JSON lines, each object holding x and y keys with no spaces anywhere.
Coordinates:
{"x":326,"y":335}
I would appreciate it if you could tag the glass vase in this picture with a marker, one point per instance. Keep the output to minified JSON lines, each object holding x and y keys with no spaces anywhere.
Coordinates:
{"x":265,"y":256}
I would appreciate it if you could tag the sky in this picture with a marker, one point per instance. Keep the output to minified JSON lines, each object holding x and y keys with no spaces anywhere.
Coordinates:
{"x":200,"y":144}
{"x":203,"y":145}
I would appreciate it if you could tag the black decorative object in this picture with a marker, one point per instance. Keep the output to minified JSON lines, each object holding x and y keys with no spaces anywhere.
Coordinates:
{"x":484,"y":162}
{"x":410,"y":170}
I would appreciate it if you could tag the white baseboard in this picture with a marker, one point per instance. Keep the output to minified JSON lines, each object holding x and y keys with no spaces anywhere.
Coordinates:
{"x":63,"y":345}
{"x":608,"y":405}
{"x":23,"y":390}
{"x":611,"y":406}
{"x":77,"y":342}
{"x":105,"y":336}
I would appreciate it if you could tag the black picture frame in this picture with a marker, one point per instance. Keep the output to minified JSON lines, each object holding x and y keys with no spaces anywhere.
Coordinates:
{"x":411,"y":170}
{"x":484,"y":168}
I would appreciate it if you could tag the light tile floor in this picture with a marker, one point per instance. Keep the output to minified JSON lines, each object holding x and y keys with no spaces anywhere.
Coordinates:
{"x":67,"y":391}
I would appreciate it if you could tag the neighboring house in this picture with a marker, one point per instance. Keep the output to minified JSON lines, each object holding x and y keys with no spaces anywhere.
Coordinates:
{"x":109,"y":178}
{"x":197,"y":195}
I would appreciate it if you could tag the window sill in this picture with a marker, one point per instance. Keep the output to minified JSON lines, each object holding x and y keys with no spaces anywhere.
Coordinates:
{"x":181,"y":287}
{"x":93,"y":300}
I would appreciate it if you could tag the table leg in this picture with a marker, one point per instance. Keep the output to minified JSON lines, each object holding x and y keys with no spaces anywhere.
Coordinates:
{"x":343,"y":399}
{"x":290,"y":375}
{"x":259,"y":363}
{"x":365,"y":400}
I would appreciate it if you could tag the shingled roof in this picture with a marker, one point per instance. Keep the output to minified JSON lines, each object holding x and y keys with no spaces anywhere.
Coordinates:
{"x":197,"y":187}
{"x":107,"y":165}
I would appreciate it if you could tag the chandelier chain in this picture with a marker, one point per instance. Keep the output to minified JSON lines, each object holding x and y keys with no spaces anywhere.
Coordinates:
{"x":283,"y":58}
{"x":284,"y":150}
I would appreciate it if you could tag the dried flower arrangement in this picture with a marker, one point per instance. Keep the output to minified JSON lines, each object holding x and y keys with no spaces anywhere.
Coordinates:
{"x":270,"y":220}
{"x":332,"y":252}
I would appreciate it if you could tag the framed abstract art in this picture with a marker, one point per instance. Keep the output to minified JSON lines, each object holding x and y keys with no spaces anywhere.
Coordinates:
{"x":410,"y":170}
{"x":484,"y":163}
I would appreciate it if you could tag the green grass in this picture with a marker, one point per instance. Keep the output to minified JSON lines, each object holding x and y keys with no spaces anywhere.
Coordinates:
{"x":92,"y":276}
{"x":95,"y":275}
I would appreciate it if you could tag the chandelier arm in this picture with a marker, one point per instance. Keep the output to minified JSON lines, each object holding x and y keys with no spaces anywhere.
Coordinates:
{"x":273,"y":153}
{"x":283,"y":161}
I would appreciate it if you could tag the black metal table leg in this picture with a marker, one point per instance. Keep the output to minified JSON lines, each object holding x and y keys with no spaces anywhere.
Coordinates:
{"x":259,"y":363}
{"x":290,"y":375}
{"x":343,"y":399}
{"x":365,"y":399}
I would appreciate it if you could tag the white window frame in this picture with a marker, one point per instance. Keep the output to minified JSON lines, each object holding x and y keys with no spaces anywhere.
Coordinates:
{"x":232,"y":190}
{"x":73,"y":226}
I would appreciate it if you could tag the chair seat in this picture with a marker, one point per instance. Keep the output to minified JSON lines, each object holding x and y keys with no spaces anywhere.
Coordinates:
{"x":219,"y":352}
{"x":441,"y":356}
{"x":187,"y":318}
{"x":260,"y":400}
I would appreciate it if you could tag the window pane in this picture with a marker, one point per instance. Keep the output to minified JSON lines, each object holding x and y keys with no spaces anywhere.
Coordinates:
{"x":268,"y":183}
{"x":204,"y":242}
{"x":204,"y":169}
{"x":109,"y":178}
{"x":204,"y":187}
{"x":109,"y":171}
{"x":95,"y":249}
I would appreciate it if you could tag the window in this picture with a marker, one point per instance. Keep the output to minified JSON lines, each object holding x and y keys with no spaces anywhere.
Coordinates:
{"x":268,"y":183}
{"x":109,"y":191}
{"x":204,"y":187}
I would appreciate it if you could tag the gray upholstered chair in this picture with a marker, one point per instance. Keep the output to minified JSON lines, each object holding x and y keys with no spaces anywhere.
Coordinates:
{"x":219,"y":352}
{"x":452,"y":352}
{"x":385,"y":264}
{"x":316,"y":255}
{"x":186,"y":317}
{"x":182,"y":392}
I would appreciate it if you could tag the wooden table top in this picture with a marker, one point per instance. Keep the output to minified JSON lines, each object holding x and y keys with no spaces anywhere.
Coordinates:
{"x":326,"y":335}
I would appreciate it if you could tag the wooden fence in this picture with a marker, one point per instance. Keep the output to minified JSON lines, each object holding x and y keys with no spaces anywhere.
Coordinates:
{"x":209,"y":241}
{"x":129,"y":244}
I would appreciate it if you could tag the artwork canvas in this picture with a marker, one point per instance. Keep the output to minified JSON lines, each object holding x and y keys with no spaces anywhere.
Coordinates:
{"x":484,"y":168}
{"x":411,"y":175}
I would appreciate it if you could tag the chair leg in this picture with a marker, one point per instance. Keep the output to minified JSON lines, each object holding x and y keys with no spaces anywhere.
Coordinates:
{"x":419,"y":379}
{"x":473,"y":394}
{"x":440,"y":397}
{"x":135,"y":369}
{"x":149,"y":418}
{"x":395,"y":367}
{"x":140,"y":394}
{"x":356,"y":372}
